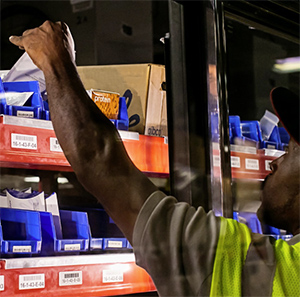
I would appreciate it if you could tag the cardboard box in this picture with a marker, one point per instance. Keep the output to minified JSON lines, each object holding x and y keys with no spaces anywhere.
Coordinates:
{"x":141,"y":84}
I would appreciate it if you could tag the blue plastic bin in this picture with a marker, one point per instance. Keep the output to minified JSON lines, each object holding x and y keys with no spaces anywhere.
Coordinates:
{"x":284,"y":137}
{"x":46,"y":112}
{"x":250,"y":129}
{"x":235,"y":124}
{"x":274,"y":142}
{"x":251,"y":221}
{"x":2,"y":99}
{"x":214,"y":116}
{"x":33,"y":107}
{"x":72,"y":238}
{"x":20,"y":232}
{"x":105,"y":234}
{"x":122,"y":123}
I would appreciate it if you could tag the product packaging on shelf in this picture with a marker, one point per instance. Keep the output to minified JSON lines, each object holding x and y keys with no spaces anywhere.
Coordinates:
{"x":141,"y":85}
{"x":107,"y":102}
{"x":28,"y":201}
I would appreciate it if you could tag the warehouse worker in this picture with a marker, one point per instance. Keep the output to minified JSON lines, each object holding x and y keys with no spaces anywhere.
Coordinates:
{"x":186,"y":251}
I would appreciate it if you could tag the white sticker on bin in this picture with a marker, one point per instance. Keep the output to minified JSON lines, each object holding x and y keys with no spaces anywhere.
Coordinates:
{"x":72,"y":247}
{"x":21,"y":249}
{"x":25,"y":114}
{"x":1,"y":282}
{"x":54,"y":145}
{"x":252,"y":164}
{"x":31,"y":281}
{"x":70,"y":278}
{"x":112,"y":276}
{"x":114,"y":244}
{"x":24,"y":141}
{"x":235,"y":162}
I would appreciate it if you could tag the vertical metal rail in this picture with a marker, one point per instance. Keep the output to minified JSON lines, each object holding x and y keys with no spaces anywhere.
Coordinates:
{"x":226,"y":180}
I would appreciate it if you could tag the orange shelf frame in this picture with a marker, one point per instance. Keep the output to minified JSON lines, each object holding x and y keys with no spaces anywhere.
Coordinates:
{"x":108,"y":275}
{"x":23,"y":144}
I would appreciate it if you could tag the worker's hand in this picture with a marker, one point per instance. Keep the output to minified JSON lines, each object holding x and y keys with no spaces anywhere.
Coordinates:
{"x":49,"y":45}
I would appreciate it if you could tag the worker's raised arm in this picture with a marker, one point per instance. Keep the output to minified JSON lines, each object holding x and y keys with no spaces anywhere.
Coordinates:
{"x":89,"y":140}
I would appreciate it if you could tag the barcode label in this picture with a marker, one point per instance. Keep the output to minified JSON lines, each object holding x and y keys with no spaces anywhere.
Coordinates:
{"x":70,"y":278}
{"x":21,"y":249}
{"x":112,"y":276}
{"x":31,"y":281}
{"x":1,"y":282}
{"x":235,"y":162}
{"x":54,"y":145}
{"x":24,"y":141}
{"x":114,"y":244}
{"x":72,"y":247}
{"x":25,"y":114}
{"x":252,"y":164}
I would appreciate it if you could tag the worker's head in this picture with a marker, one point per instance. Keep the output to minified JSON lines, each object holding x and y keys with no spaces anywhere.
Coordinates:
{"x":280,"y":205}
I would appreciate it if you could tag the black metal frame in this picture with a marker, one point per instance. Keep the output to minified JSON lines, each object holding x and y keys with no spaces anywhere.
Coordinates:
{"x":187,"y":89}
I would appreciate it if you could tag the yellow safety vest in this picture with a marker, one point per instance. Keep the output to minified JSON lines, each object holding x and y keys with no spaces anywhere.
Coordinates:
{"x":233,"y":244}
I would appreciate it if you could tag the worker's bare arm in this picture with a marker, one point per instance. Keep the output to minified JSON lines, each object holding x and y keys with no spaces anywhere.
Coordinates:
{"x":89,"y":140}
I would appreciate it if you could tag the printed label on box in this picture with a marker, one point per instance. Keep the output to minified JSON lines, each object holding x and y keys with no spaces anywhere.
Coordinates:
{"x":31,"y":281}
{"x":267,"y":165}
{"x":114,"y":244}
{"x":21,"y":249}
{"x":252,"y":164}
{"x":24,"y":141}
{"x":72,"y":247}
{"x":54,"y":145}
{"x":70,"y":278}
{"x":25,"y":114}
{"x":235,"y":162}
{"x":1,"y":282}
{"x":112,"y":276}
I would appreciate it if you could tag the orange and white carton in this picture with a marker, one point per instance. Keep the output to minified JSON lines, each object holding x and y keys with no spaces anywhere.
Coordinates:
{"x":107,"y":102}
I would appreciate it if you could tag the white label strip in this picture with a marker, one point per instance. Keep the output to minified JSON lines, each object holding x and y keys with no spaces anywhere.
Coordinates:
{"x":267,"y":165}
{"x":166,"y":140}
{"x":70,"y":278}
{"x":27,"y":122}
{"x":216,"y":161}
{"x":54,"y":145}
{"x":21,"y":249}
{"x":31,"y":281}
{"x":235,"y":162}
{"x":252,"y":164}
{"x":129,"y":135}
{"x":114,"y":244}
{"x":25,"y":114}
{"x":1,"y":282}
{"x":24,"y":141}
{"x":72,"y":247}
{"x":112,"y":276}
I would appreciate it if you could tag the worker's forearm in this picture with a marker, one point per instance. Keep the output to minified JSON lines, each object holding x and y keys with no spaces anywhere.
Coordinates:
{"x":94,"y":149}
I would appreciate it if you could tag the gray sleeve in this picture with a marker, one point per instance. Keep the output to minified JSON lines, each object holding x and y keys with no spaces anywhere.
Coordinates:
{"x":176,"y":243}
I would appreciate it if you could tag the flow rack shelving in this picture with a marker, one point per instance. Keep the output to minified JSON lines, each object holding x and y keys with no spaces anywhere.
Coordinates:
{"x":32,"y":144}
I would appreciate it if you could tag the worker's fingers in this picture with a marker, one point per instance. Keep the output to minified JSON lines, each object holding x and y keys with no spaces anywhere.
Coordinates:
{"x":16,"y":40}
